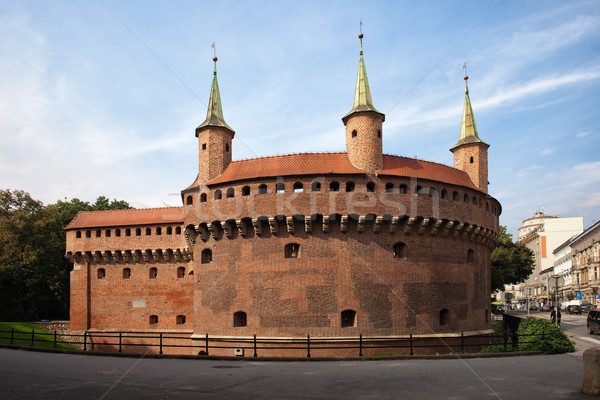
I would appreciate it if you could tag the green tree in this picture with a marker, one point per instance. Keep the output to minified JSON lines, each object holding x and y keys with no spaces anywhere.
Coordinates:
{"x":512,"y":262}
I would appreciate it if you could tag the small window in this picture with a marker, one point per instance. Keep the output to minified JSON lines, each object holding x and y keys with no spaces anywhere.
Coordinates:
{"x":169,"y":230}
{"x":292,"y":250}
{"x":217,"y":195}
{"x":334,"y":187}
{"x":153,"y":273}
{"x":230,"y":193}
{"x":389,"y":187}
{"x":180,"y":320}
{"x":180,"y":272}
{"x":455,"y":196}
{"x":487,"y":206}
{"x":246,"y":191}
{"x":349,"y":186}
{"x":126,"y":273}
{"x":203,"y":146}
{"x":474,"y":200}
{"x":403,"y":189}
{"x":419,"y":190}
{"x":370,"y":187}
{"x":471,"y":160}
{"x":158,"y":231}
{"x":107,"y":233}
{"x":101,"y":273}
{"x":279,"y":187}
{"x":88,"y":234}
{"x":316,"y":186}
{"x":98,"y":233}
{"x":227,"y":147}
{"x":127,"y":232}
{"x":178,"y":230}
{"x":298,"y":187}
{"x":432,"y":192}
{"x":262,"y":189}
{"x":148,"y":231}
{"x":444,"y":194}
{"x":138,"y":232}
{"x":444,"y":317}
{"x":206,"y":256}
{"x":203,"y":198}
{"x":78,"y":235}
{"x":466,"y":198}
{"x":354,"y":133}
{"x":153,"y":319}
{"x":470,"y":256}
{"x":117,"y":232}
{"x":348,"y":318}
{"x":189,"y":200}
{"x":239,"y":319}
{"x":400,"y":250}
{"x":379,"y":133}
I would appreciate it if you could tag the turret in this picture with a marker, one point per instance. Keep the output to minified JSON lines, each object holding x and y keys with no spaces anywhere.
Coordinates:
{"x":214,"y":137}
{"x":470,"y":152}
{"x":363,"y":125}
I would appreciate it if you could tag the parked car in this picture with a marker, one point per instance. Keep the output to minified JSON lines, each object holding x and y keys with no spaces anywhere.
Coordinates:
{"x":533,"y":308}
{"x":593,"y":321}
{"x":587,"y":307}
{"x":547,"y":308}
{"x":574,"y":309}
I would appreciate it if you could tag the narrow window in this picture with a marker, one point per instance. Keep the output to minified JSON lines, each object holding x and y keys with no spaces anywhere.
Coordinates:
{"x":180,"y":320}
{"x":148,"y":231}
{"x":203,"y":146}
{"x":239,"y":319}
{"x":262,"y":189}
{"x":455,"y":196}
{"x":354,"y":133}
{"x":189,"y":200}
{"x":126,"y":273}
{"x":403,"y":189}
{"x":206,"y":256}
{"x":444,"y":194}
{"x":466,"y":198}
{"x":227,"y":147}
{"x":349,"y":186}
{"x":98,"y":233}
{"x":474,"y":200}
{"x":158,"y":231}
{"x":217,"y":195}
{"x":480,"y":203}
{"x":444,"y":317}
{"x":203,"y":198}
{"x":470,"y":256}
{"x":379,"y":133}
{"x":230,"y":193}
{"x":334,"y":187}
{"x":292,"y":250}
{"x":153,"y":319}
{"x":400,"y":250}
{"x":246,"y":191}
{"x":471,"y":160}
{"x":432,"y":192}
{"x":138,"y":232}
{"x":88,"y":234}
{"x":298,"y":187}
{"x":178,"y":230}
{"x":419,"y":190}
{"x":101,"y":273}
{"x":389,"y":187}
{"x":153,"y":273}
{"x":279,"y":187}
{"x":117,"y":232}
{"x":78,"y":235}
{"x":316,"y":186}
{"x":169,"y":230}
{"x":180,"y":272}
{"x":348,"y":318}
{"x":107,"y":233}
{"x":370,"y":187}
{"x":487,"y":206}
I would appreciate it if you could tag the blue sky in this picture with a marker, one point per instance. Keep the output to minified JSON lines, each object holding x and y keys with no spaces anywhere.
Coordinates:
{"x":102,"y":97}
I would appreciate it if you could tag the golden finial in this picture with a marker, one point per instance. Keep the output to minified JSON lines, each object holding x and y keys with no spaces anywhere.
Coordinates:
{"x":466,"y":78}
{"x":360,"y":37}
{"x":215,"y":59}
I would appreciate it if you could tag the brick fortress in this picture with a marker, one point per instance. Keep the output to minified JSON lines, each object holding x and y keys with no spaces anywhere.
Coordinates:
{"x":327,"y":244}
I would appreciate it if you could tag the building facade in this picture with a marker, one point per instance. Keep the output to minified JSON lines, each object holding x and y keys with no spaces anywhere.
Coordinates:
{"x":327,"y":244}
{"x":585,"y":249}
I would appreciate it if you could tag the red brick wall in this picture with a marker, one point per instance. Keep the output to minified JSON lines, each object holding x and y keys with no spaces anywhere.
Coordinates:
{"x":215,"y":158}
{"x":478,"y":169}
{"x":365,"y":149}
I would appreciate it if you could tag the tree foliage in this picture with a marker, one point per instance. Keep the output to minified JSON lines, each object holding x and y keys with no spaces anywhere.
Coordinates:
{"x":512,"y":263}
{"x":34,"y":273}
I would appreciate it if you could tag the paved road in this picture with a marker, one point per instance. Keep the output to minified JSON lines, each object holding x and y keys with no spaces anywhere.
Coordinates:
{"x":33,"y":375}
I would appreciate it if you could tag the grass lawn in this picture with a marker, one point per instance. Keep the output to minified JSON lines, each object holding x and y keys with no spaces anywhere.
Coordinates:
{"x":22,"y":335}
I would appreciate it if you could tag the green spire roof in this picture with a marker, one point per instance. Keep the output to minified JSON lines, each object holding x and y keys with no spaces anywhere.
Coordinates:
{"x":214,"y":115}
{"x":362,"y":94}
{"x":468,"y":129}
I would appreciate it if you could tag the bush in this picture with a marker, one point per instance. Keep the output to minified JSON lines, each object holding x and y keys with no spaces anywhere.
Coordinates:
{"x":553,"y":341}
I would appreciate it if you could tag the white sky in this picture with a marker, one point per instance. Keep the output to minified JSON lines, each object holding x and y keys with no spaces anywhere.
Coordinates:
{"x":102,"y":97}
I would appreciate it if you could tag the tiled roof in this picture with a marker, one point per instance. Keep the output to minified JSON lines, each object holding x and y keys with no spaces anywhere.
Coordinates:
{"x":143,"y":216}
{"x":337,"y":163}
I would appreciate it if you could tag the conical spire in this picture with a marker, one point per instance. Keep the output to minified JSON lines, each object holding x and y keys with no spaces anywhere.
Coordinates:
{"x":468,"y":129}
{"x":214,"y":115}
{"x":362,"y":94}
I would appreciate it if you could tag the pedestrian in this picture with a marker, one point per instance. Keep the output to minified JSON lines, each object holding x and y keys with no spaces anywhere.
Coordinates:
{"x":552,"y":316}
{"x":558,"y":317}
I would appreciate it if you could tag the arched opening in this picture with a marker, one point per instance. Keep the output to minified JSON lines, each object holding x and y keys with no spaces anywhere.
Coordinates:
{"x":370,"y":187}
{"x":471,"y":160}
{"x":107,"y":233}
{"x":349,"y":186}
{"x":432,"y":192}
{"x":298,"y":187}
{"x":348,"y":318}
{"x":389,"y":187}
{"x":206,"y":256}
{"x":419,"y":190}
{"x":474,"y":200}
{"x":379,"y":133}
{"x":470,"y":256}
{"x":466,"y":198}
{"x":148,"y":231}
{"x":400,"y":250}
{"x":180,"y":272}
{"x":403,"y":189}
{"x":117,"y":232}
{"x":262,"y":189}
{"x":203,"y":198}
{"x":316,"y":186}
{"x":178,"y":230}
{"x":126,"y":273}
{"x":334,"y":186}
{"x":292,"y":250}
{"x":88,"y":234}
{"x":444,"y":317}
{"x":189,"y":200}
{"x":455,"y":196}
{"x":230,"y":193}
{"x":279,"y":187}
{"x":138,"y":232}
{"x":218,"y":195}
{"x":78,"y":235}
{"x":354,"y":133}
{"x":246,"y":191}
{"x":101,"y":273}
{"x":153,"y":273}
{"x":239,"y":319}
{"x":444,"y":194}
{"x":127,"y":232}
{"x":158,"y":231}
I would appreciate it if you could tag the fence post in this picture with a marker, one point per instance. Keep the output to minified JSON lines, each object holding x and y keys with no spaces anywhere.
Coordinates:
{"x":55,"y":338}
{"x":206,"y":344}
{"x":411,"y":345}
{"x":255,"y":355}
{"x":160,"y":351}
{"x":308,"y":346}
{"x":85,"y":341}
{"x":360,"y":346}
{"x":12,"y":335}
{"x":462,"y":342}
{"x":32,"y":336}
{"x":120,"y":342}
